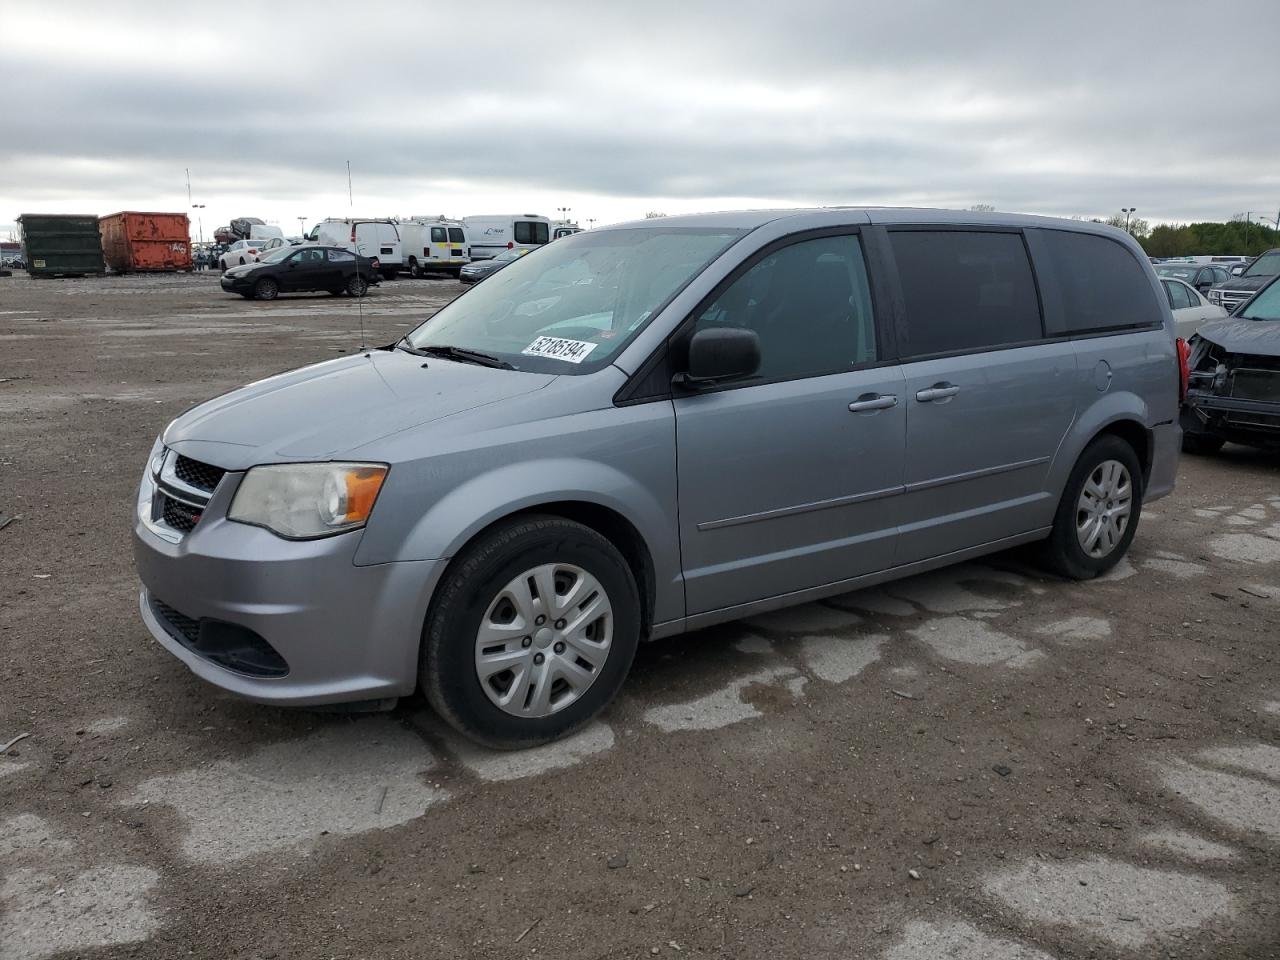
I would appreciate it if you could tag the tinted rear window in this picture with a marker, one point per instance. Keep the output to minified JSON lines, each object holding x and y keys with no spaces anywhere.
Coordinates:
{"x":1103,"y":286}
{"x":455,"y":235}
{"x":965,"y":290}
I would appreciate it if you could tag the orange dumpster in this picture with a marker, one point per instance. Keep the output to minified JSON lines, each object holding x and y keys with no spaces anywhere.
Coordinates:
{"x":134,"y":242}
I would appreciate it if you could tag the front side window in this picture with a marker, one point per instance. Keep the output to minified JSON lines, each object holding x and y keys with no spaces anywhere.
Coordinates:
{"x":438,"y":234}
{"x":569,"y":307}
{"x":532,"y":232}
{"x":965,"y":290}
{"x":810,"y":305}
{"x":1102,"y":286}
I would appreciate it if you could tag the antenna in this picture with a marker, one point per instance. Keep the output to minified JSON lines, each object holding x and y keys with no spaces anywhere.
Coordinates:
{"x":360,"y":299}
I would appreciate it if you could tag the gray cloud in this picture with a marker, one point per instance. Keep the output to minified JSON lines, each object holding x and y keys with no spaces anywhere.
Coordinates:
{"x":1077,"y":109}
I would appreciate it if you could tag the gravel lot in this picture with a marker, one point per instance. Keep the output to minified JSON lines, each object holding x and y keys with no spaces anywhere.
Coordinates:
{"x":980,"y":763}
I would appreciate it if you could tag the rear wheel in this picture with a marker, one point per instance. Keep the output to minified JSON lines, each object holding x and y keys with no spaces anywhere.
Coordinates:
{"x":1098,"y":514}
{"x":266,"y":289}
{"x":531,"y":633}
{"x":415,"y":269}
{"x":357,"y":286}
{"x":1201,"y":444}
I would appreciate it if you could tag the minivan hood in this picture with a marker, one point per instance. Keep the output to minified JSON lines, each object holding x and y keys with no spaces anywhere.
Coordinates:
{"x":1260,"y":338}
{"x":321,"y":411}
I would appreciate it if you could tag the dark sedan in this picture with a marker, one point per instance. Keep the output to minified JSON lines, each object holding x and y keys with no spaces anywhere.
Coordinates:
{"x":477,"y":270}
{"x":1233,"y":392}
{"x":303,"y":269}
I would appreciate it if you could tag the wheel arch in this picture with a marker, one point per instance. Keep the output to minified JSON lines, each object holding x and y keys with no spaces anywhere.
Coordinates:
{"x":604,"y":520}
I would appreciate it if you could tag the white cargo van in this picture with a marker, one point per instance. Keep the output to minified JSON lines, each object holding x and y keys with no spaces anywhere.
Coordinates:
{"x":265,"y":231}
{"x":379,"y":239}
{"x":488,"y":236}
{"x":564,"y":229}
{"x":433,"y":244}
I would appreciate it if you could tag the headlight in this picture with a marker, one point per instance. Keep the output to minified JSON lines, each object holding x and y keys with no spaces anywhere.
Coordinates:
{"x":302,"y":501}
{"x":156,"y":461}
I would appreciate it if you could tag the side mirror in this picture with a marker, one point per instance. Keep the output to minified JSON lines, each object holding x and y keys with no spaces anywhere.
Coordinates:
{"x":718,"y":354}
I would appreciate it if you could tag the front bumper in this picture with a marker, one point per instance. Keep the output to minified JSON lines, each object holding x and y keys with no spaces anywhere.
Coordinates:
{"x":346,"y":632}
{"x":1253,"y":422}
{"x":235,"y":284}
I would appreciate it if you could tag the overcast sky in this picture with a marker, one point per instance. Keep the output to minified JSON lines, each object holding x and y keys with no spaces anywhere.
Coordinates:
{"x":615,"y":109}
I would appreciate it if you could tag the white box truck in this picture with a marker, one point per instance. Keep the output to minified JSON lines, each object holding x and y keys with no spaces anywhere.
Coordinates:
{"x":379,"y":239}
{"x":488,"y":236}
{"x":433,"y":244}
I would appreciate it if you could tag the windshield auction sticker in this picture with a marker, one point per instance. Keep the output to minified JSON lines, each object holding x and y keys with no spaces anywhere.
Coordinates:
{"x":572,"y":351}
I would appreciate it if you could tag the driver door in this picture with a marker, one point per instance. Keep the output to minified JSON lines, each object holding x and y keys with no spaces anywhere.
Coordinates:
{"x":792,"y":479}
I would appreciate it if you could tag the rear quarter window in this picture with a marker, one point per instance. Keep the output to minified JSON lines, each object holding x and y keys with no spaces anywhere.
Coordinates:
{"x":1101,"y":286}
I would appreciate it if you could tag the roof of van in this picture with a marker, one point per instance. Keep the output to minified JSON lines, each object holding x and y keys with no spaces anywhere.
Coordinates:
{"x":751,"y":219}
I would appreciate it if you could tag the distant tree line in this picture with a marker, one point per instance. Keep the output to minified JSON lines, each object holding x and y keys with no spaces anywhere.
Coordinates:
{"x":1190,"y":239}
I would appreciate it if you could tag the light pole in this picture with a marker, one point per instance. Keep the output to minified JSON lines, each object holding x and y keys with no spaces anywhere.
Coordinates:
{"x":564,"y":214}
{"x":1127,"y":211}
{"x":302,"y":226}
{"x":591,"y":222}
{"x":199,"y":220}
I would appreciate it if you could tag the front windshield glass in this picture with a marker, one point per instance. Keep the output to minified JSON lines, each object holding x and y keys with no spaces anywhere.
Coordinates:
{"x":569,"y":307}
{"x":1180,"y":270}
{"x":1265,"y":306}
{"x":1267,"y":265}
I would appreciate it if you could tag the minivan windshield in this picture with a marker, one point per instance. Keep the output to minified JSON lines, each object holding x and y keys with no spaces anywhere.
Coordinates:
{"x":1267,"y":265}
{"x":571,"y":306}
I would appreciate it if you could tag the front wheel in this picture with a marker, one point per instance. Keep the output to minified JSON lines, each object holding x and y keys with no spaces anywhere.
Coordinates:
{"x":1098,"y":514}
{"x":357,"y":286}
{"x":266,"y":289}
{"x":531,"y":633}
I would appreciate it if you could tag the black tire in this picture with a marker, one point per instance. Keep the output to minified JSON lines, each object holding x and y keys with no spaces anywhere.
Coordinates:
{"x":447,"y":660}
{"x":390,"y":273}
{"x":415,"y":268}
{"x":266,"y":289}
{"x":357,"y":286}
{"x":1062,"y":552}
{"x":336,"y":293}
{"x":1201,"y":444}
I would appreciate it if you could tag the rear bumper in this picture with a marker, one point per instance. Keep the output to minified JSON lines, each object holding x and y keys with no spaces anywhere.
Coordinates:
{"x":346,"y":632}
{"x":1166,"y":446}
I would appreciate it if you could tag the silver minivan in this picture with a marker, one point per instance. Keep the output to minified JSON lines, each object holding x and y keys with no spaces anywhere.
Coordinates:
{"x":642,"y":430}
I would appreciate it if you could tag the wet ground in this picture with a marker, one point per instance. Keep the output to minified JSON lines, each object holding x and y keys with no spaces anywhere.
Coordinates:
{"x":982,"y":762}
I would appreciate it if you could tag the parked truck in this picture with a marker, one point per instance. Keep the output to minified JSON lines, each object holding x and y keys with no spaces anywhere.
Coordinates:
{"x":61,"y":245}
{"x":137,"y":242}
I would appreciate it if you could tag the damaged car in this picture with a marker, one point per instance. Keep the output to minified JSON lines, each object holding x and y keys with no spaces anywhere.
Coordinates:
{"x":1233,"y":386}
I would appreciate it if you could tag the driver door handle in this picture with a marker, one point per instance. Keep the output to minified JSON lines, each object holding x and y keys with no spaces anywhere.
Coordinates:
{"x":939,"y":391}
{"x":873,"y":401}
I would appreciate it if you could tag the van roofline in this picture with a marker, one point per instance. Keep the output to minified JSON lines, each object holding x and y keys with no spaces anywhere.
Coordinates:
{"x":853,"y":215}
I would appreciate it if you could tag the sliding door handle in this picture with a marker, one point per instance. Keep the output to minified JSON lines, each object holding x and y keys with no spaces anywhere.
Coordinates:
{"x":873,"y":401}
{"x":939,"y":391}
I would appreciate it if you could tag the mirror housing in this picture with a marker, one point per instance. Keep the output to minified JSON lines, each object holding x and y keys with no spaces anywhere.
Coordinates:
{"x":718,"y":354}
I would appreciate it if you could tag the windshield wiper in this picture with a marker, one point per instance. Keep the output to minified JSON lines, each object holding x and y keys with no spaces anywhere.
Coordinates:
{"x":463,"y":355}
